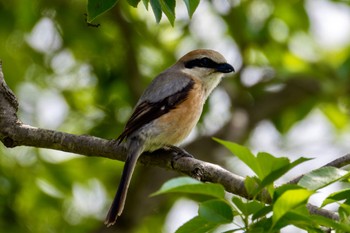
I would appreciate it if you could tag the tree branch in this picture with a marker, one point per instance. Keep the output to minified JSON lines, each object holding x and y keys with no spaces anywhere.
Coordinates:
{"x":14,"y":133}
{"x":338,"y":163}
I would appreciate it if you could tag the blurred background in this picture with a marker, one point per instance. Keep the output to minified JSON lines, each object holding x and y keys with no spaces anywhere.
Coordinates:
{"x":290,"y":96}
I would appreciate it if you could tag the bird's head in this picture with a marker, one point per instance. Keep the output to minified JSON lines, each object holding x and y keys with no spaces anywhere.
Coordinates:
{"x":206,"y":65}
{"x":206,"y":61}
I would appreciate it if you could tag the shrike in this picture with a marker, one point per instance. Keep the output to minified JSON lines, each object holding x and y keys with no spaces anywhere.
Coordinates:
{"x":167,"y":112}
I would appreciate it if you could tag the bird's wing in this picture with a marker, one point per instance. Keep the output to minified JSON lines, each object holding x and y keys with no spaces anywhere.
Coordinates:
{"x":159,"y":98}
{"x":167,"y":83}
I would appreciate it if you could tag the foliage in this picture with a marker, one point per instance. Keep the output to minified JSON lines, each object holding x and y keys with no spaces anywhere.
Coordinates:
{"x":79,"y":79}
{"x":98,"y":7}
{"x":288,"y":205}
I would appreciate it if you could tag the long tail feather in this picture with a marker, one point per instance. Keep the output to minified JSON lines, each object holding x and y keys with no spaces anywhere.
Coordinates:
{"x":116,"y":209}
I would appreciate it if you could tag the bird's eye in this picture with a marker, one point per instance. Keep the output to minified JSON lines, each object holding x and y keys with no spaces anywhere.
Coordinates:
{"x":205,"y":62}
{"x":202,"y":62}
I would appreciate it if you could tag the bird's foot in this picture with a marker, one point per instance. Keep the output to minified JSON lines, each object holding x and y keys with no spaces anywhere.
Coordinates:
{"x":177,"y":151}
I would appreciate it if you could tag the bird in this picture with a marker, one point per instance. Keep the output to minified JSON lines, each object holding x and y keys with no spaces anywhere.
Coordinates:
{"x":167,"y":111}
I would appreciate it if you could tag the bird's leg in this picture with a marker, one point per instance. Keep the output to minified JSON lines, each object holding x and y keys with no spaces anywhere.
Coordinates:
{"x":177,"y":151}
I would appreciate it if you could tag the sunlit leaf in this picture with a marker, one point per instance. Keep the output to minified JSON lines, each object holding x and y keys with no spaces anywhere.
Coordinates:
{"x":189,"y":185}
{"x":98,"y":7}
{"x":322,"y":177}
{"x":289,"y":200}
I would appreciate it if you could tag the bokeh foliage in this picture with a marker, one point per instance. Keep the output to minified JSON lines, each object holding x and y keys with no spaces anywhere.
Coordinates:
{"x":83,"y":79}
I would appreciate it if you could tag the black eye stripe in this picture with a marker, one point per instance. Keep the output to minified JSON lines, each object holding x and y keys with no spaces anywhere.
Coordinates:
{"x":202,"y":62}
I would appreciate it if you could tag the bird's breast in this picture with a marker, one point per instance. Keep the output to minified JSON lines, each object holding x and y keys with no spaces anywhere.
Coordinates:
{"x":174,"y":126}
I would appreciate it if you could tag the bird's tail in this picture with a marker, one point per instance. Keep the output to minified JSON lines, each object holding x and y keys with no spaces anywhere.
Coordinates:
{"x":116,"y":209}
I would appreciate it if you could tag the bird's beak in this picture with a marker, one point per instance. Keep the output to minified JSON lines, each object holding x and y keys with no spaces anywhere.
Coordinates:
{"x":225,"y":68}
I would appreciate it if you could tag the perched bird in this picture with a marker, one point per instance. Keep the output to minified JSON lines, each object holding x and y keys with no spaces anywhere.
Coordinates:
{"x":167,"y":111}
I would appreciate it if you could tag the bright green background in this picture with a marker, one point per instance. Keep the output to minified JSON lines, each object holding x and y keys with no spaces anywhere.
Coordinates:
{"x":85,"y":80}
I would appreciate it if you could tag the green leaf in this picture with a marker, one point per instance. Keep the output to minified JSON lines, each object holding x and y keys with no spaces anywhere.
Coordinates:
{"x":157,"y":9}
{"x":282,"y":189}
{"x":216,"y":211}
{"x":262,"y":212}
{"x":270,"y":163}
{"x":252,"y":185}
{"x":323,"y":221}
{"x":197,"y":225}
{"x":295,"y":217}
{"x":322,"y":177}
{"x":134,"y":3}
{"x":244,"y":154}
{"x":168,"y":7}
{"x":344,"y":213}
{"x":276,"y":167}
{"x":337,"y":196}
{"x":98,"y":7}
{"x":299,"y":217}
{"x":289,"y":200}
{"x":261,"y":226}
{"x":249,"y":207}
{"x":189,"y":185}
{"x":191,"y":6}
{"x":145,"y":3}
